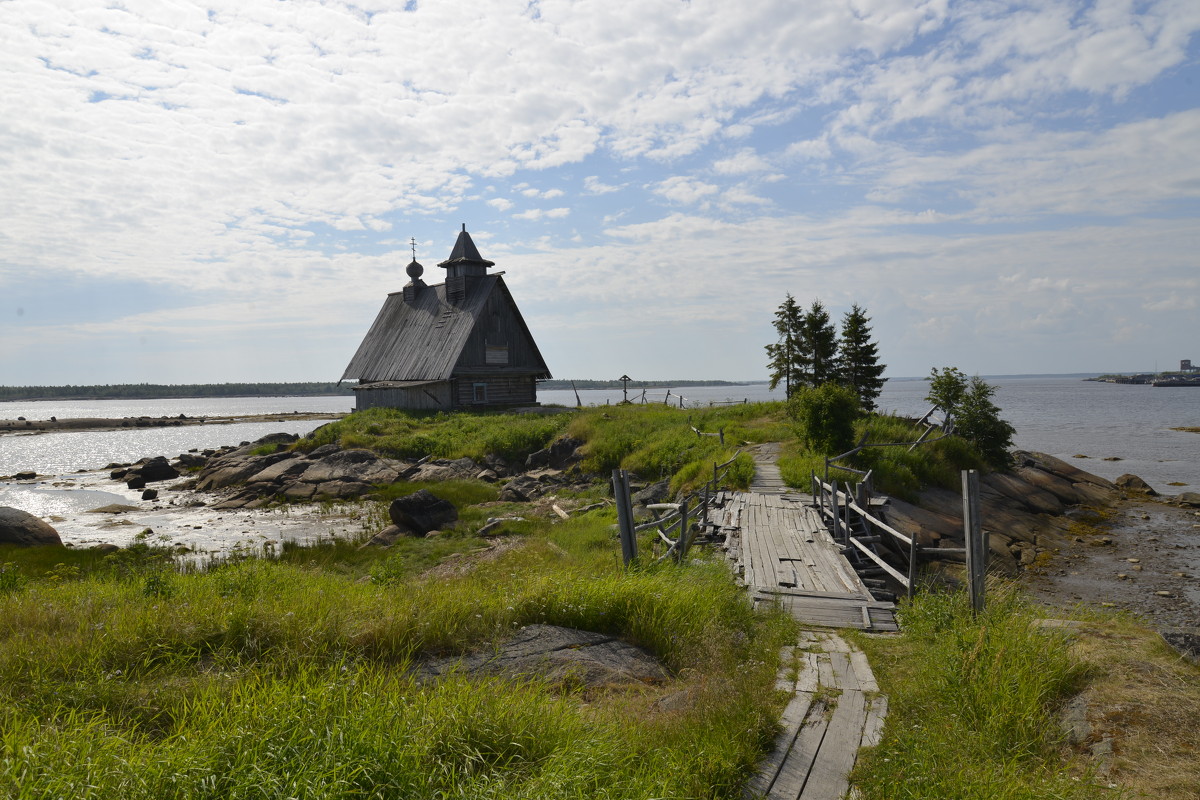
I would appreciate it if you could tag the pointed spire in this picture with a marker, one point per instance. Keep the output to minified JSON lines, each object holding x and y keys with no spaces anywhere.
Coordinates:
{"x":465,"y":252}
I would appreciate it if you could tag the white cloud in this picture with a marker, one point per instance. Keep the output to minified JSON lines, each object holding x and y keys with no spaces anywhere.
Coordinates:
{"x":684,"y":190}
{"x":500,"y":203}
{"x":534,"y":214}
{"x":593,"y":185}
{"x":744,"y":162}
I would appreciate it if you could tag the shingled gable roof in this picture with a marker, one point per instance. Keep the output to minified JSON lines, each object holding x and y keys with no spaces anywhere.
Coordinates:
{"x":423,"y":339}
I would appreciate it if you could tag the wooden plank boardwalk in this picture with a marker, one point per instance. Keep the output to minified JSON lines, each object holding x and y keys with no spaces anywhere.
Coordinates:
{"x":835,"y":710}
{"x":784,"y":554}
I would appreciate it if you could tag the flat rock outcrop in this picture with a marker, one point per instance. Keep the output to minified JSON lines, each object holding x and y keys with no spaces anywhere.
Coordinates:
{"x":561,"y":655}
{"x":1024,"y":512}
{"x":328,"y":472}
{"x":22,"y":528}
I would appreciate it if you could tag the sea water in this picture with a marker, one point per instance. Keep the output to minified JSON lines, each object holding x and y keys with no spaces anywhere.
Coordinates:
{"x":1061,"y":415}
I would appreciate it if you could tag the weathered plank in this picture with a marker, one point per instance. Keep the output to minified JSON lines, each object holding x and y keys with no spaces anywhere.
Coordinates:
{"x":769,"y":771}
{"x":794,"y":773}
{"x":828,"y":776}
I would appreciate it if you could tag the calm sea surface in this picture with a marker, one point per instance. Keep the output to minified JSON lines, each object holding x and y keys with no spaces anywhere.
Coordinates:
{"x":1064,"y":416}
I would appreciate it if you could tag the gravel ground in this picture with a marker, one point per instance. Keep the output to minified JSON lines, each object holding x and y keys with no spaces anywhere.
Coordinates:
{"x":1144,"y":561}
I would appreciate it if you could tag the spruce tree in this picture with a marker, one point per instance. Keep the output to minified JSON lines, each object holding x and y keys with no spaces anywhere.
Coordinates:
{"x":858,"y":358}
{"x":783,"y":356}
{"x":818,"y":357}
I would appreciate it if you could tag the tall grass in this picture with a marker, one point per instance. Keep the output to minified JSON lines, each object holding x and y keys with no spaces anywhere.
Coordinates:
{"x":657,"y":442}
{"x":972,"y":704}
{"x":270,"y":679}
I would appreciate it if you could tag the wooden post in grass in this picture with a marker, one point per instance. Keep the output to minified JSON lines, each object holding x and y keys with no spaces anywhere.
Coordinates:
{"x":976,"y":544}
{"x":685,"y":539}
{"x":624,"y":515}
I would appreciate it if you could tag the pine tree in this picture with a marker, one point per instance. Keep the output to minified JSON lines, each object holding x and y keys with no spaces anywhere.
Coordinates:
{"x":818,"y":356}
{"x":858,"y":358}
{"x":784,"y":354}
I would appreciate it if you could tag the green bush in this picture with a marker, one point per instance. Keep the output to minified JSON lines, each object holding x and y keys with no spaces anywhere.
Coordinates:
{"x":825,"y":417}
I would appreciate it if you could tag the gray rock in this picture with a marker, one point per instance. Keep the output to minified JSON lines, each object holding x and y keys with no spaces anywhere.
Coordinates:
{"x":189,"y":461}
{"x":1015,"y":489}
{"x":150,"y":494}
{"x":529,"y":486}
{"x":361,"y":466}
{"x":340,"y":490}
{"x":421,"y":512}
{"x":277,"y":438}
{"x":387,"y":537}
{"x":1191,"y":499}
{"x":441,"y":469}
{"x":565,"y":656}
{"x":290,"y":466}
{"x":234,"y":468}
{"x":559,"y":455}
{"x":155,"y":469}
{"x":24,"y":529}
{"x":654,"y":493}
{"x":1132,"y":483}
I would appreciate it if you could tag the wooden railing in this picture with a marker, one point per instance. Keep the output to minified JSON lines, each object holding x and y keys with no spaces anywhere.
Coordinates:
{"x":837,"y":507}
{"x":678,"y":519}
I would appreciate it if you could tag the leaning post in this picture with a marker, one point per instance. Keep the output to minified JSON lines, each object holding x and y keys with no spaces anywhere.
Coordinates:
{"x":624,"y":516}
{"x":685,"y":540}
{"x":976,"y":544}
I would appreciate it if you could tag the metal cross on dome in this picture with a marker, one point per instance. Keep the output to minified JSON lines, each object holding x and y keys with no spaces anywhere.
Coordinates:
{"x":413,"y":241}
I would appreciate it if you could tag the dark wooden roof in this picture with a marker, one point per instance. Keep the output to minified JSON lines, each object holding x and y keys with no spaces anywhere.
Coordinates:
{"x":423,"y":340}
{"x":465,"y":252}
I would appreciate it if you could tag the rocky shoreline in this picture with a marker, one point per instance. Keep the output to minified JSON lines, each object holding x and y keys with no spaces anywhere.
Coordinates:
{"x":22,"y":425}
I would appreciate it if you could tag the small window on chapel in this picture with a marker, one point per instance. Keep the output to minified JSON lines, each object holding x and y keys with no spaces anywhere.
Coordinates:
{"x":480,"y":392}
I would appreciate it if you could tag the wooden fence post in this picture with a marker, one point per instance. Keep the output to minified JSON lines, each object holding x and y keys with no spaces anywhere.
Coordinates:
{"x":624,"y":516}
{"x":685,"y":539}
{"x":976,"y":544}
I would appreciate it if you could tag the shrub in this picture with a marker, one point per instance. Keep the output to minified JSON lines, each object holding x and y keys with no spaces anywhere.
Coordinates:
{"x":825,"y":416}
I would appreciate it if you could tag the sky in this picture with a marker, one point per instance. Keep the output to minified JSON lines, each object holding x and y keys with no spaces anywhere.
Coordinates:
{"x":227,"y":191}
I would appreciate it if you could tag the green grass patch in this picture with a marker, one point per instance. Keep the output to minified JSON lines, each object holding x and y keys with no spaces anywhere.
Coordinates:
{"x":293,"y":677}
{"x":657,"y":442}
{"x":410,"y":434}
{"x":973,"y":704}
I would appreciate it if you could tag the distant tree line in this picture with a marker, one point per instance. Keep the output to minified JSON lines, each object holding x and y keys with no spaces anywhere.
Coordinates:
{"x":157,"y":391}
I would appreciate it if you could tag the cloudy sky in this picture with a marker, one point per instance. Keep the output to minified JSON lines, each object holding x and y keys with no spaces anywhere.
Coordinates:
{"x":225,"y":191}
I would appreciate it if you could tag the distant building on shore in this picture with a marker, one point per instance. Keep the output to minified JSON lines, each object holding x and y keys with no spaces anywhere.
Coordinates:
{"x":460,"y":344}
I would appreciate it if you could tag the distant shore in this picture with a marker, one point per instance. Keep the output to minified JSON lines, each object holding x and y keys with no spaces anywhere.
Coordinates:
{"x":126,"y":423}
